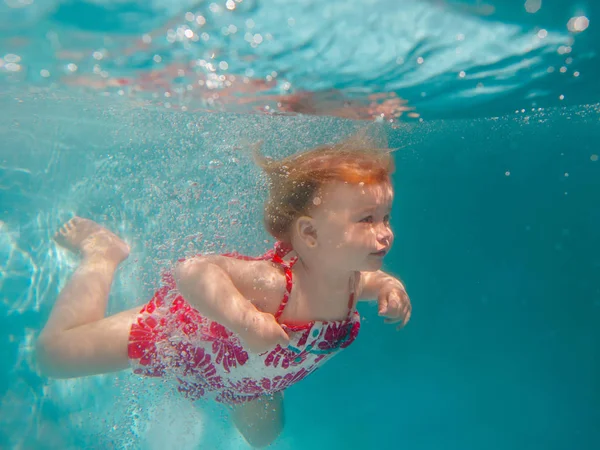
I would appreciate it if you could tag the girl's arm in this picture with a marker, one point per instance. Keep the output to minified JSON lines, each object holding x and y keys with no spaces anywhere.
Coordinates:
{"x":372,"y":283}
{"x":209,"y":289}
{"x":241,"y":295}
{"x":391,"y":296}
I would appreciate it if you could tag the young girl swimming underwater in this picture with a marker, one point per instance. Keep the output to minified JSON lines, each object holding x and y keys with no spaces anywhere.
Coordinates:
{"x":240,"y":329}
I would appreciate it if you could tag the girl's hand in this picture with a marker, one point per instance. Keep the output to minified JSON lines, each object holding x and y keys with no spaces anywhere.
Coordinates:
{"x":261,"y":333}
{"x":394,"y":304}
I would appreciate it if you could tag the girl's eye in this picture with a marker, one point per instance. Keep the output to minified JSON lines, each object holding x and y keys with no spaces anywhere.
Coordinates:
{"x":386,"y":219}
{"x":368,"y":219}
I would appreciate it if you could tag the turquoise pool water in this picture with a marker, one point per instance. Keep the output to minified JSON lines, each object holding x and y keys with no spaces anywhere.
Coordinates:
{"x":496,"y":217}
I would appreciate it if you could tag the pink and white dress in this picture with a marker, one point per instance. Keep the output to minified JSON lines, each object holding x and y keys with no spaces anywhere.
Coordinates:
{"x":171,"y":338}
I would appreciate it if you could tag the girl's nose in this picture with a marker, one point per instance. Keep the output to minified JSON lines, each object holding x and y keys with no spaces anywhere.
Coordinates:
{"x":384,"y":234}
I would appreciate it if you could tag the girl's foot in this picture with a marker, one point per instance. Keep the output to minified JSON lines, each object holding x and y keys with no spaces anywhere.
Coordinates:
{"x":91,"y":240}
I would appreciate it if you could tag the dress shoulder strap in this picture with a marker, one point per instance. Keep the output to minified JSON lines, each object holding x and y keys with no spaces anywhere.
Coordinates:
{"x":354,"y":281}
{"x":281,"y":250}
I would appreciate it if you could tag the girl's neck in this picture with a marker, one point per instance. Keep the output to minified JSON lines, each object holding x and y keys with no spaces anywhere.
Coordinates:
{"x":321,"y":282}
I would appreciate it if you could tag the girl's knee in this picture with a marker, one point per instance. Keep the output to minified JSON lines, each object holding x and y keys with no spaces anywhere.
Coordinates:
{"x":43,"y":356}
{"x":261,"y":437}
{"x":260,"y":421}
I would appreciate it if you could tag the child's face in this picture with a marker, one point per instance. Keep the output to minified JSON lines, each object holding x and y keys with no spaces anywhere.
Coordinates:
{"x":353,"y":225}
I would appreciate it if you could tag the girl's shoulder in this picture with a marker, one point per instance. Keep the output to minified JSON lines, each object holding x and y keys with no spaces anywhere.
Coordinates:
{"x":261,"y":281}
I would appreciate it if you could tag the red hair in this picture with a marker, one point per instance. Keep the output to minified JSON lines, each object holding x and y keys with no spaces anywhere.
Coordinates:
{"x":294,"y":181}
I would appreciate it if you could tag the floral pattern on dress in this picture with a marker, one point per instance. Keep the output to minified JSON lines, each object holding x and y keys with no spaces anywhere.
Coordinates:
{"x":196,"y":362}
{"x":226,"y":348}
{"x":286,"y":357}
{"x":144,"y":334}
{"x":171,"y":338}
{"x":281,"y":382}
{"x":339,"y":335}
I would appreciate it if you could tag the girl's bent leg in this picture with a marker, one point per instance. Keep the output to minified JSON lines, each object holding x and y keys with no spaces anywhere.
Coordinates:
{"x":260,"y":421}
{"x":77,"y":340}
{"x":91,"y":349}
